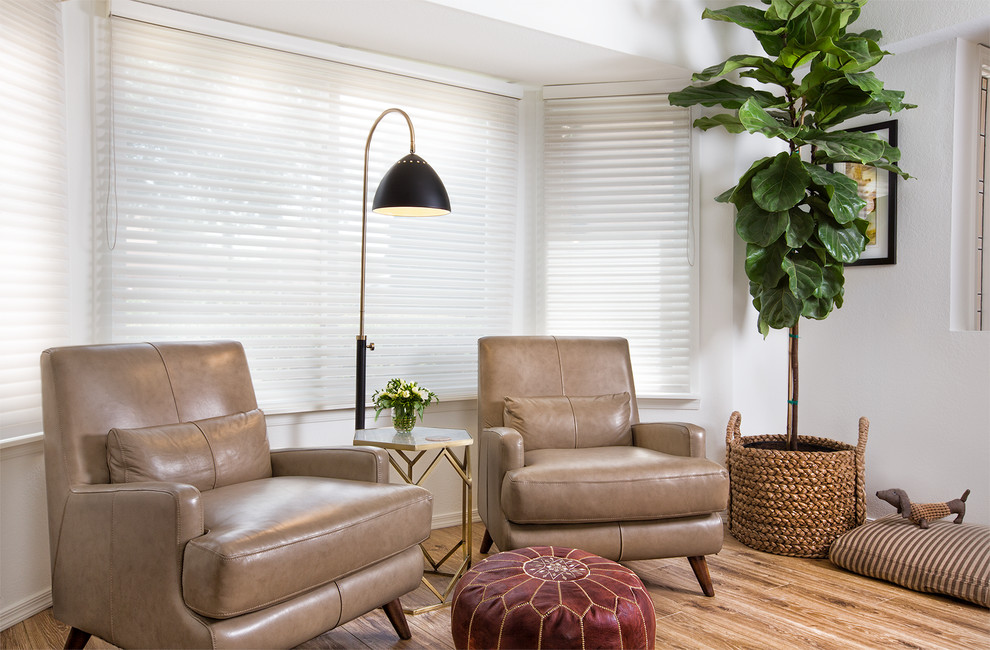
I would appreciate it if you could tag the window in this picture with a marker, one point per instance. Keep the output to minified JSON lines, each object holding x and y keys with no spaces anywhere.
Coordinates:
{"x":34,"y":245}
{"x":236,"y":213}
{"x":982,"y":266}
{"x":618,"y":230}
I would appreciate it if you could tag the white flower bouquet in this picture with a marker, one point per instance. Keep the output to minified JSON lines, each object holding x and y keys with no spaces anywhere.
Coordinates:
{"x":406,"y":399}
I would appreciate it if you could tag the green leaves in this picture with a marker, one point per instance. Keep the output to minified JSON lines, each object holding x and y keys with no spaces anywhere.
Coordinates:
{"x":760,"y":68}
{"x":729,"y":122}
{"x":844,"y":202}
{"x":763,"y":265}
{"x":758,"y":226}
{"x":804,"y":276}
{"x":800,"y":222}
{"x":849,"y":146}
{"x":722,"y":93}
{"x":779,"y":308}
{"x":844,"y":243}
{"x":727,"y":66}
{"x":800,"y":226}
{"x":853,"y":53}
{"x":782,"y":185}
{"x":750,"y":18}
{"x":756,"y":120}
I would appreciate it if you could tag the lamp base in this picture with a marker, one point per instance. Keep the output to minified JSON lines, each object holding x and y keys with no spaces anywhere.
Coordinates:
{"x":361,"y":381}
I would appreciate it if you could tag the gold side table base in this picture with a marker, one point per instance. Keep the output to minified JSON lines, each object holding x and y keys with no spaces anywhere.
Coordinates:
{"x":418,"y":443}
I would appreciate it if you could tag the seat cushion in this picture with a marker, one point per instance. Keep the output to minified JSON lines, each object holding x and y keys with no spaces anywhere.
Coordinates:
{"x":565,"y":422}
{"x":603,"y":484}
{"x":271,"y":539}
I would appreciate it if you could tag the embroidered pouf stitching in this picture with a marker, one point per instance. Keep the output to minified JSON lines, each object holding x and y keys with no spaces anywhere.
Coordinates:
{"x":551,"y":597}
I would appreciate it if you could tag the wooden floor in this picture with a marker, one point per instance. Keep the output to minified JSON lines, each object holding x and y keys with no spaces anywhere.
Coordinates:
{"x":761,"y":601}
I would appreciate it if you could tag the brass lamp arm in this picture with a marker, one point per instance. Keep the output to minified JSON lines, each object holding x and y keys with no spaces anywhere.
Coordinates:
{"x":364,"y":200}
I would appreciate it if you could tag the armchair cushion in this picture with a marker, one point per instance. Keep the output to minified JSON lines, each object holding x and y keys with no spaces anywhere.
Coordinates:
{"x":206,"y":454}
{"x":565,"y":422}
{"x":270,"y":540}
{"x":611,"y":484}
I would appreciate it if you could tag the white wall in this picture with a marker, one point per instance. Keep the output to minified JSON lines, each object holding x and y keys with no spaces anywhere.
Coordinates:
{"x":889,"y":353}
{"x":26,"y":586}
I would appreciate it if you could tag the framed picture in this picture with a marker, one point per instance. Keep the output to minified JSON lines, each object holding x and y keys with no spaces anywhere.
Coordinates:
{"x":878,"y":187}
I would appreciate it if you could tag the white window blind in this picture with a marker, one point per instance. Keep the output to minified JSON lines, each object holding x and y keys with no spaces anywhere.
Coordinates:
{"x":33,"y":245}
{"x":236,"y":213}
{"x":617,"y":231}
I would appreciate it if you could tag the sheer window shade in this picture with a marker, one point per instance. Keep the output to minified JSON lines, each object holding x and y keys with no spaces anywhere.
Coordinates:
{"x":34,"y":245}
{"x":617,"y":231}
{"x":237,"y":190}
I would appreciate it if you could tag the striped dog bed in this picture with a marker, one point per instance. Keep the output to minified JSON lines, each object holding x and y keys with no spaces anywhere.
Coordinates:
{"x":947,"y":558}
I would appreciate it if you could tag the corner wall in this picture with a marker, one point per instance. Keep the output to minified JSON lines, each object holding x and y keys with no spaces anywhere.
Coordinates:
{"x":889,"y":353}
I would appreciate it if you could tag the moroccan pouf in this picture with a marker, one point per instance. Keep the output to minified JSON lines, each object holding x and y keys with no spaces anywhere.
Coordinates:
{"x":551,"y":597}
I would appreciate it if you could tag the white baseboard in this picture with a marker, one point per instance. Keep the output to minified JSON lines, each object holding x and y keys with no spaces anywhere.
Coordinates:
{"x":25,"y":609}
{"x":451,"y":519}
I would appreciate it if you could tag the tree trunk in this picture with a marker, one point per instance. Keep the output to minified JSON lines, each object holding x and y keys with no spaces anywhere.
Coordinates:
{"x":792,"y":388}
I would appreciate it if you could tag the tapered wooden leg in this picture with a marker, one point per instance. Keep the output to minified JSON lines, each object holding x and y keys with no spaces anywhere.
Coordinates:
{"x":397,"y":618}
{"x":77,"y":639}
{"x":700,"y":566}
{"x":486,"y":542}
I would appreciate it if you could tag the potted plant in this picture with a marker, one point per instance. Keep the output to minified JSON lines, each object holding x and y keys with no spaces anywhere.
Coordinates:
{"x":801,"y":223}
{"x":406,"y":399}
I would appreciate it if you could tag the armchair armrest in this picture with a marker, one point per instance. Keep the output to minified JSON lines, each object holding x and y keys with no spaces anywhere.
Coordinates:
{"x":504,"y":446}
{"x":677,"y":438}
{"x":500,"y":450}
{"x":122,"y":544}
{"x":351,"y":463}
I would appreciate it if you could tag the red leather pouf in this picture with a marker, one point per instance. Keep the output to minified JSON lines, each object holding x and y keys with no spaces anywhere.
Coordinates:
{"x":551,"y":597}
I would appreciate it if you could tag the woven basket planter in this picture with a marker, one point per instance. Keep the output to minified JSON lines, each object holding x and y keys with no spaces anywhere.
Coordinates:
{"x":794,"y":502}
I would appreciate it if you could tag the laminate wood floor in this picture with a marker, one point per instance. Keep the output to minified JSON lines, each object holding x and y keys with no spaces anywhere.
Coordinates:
{"x":761,"y":601}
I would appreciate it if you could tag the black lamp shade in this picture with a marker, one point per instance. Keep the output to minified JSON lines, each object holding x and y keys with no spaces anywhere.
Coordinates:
{"x":411,"y":189}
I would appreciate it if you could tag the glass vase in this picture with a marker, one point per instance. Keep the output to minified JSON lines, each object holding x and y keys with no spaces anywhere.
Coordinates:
{"x":403,"y":419}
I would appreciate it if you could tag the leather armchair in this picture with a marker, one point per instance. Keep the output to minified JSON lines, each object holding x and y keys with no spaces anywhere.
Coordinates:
{"x":172,"y":524}
{"x":564,"y":460}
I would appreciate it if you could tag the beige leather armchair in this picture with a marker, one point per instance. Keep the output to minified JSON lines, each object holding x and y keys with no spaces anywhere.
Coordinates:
{"x":565,"y":461}
{"x":172,"y":524}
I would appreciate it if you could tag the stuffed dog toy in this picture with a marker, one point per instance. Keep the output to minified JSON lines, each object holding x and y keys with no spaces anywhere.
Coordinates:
{"x":923,"y":513}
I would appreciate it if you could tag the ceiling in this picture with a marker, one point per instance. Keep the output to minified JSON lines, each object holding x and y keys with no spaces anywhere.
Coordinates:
{"x":435,"y":32}
{"x":548,"y":42}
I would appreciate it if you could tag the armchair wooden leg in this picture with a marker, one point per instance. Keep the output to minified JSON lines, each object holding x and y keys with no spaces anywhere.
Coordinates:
{"x":700,"y":566}
{"x":397,"y":618}
{"x":486,"y":542}
{"x":77,"y":639}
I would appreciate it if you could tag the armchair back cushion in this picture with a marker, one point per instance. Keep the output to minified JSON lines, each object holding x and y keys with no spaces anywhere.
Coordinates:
{"x":548,"y":366}
{"x":566,"y":422}
{"x":206,"y":454}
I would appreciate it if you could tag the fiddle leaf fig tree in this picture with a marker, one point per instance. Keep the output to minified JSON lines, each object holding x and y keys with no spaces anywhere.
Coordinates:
{"x":801,"y":223}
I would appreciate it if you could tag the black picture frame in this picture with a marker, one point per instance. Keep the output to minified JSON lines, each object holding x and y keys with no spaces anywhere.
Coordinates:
{"x":879,"y":188}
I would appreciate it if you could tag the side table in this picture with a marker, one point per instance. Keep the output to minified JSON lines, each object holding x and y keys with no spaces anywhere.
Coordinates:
{"x":411,"y":448}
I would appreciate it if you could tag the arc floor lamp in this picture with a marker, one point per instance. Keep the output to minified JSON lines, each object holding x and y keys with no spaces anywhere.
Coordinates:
{"x":409,"y":189}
